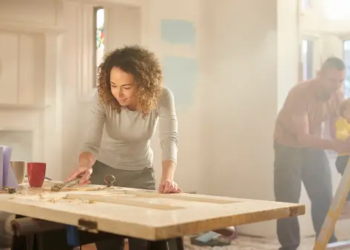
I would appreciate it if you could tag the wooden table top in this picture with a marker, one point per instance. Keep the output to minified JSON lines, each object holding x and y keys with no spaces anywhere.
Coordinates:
{"x":141,"y":213}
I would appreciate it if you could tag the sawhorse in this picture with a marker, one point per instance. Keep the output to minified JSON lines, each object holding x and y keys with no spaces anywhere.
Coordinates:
{"x":334,"y":215}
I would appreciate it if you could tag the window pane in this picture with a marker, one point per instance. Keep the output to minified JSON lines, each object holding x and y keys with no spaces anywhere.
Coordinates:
{"x":337,"y":9}
{"x":100,"y":38}
{"x":307,"y":59}
{"x":305,"y":4}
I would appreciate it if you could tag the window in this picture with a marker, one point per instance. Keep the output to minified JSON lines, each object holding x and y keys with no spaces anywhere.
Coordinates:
{"x":337,"y":9}
{"x":305,"y":4}
{"x":307,"y":59}
{"x":99,"y":39}
{"x":346,"y":47}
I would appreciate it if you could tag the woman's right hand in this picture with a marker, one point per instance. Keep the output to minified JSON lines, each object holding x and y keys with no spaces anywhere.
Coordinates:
{"x":84,"y":169}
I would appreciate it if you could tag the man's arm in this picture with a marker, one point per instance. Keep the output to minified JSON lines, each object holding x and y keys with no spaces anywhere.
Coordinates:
{"x":301,"y":125}
{"x":298,"y":105}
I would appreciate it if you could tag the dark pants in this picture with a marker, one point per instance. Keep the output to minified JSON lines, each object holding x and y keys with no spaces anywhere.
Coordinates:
{"x":292,"y":166}
{"x":143,"y":179}
{"x":341,"y":163}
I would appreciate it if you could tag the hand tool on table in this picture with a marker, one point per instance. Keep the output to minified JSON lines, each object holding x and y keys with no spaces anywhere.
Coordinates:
{"x":59,"y":186}
{"x":9,"y":190}
{"x":109,"y":180}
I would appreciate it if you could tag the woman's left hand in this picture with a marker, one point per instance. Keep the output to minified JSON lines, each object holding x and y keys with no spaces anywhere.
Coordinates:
{"x":169,"y":186}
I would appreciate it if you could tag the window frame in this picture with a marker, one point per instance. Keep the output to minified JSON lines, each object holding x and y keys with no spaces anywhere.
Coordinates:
{"x":86,"y":51}
{"x":317,"y":52}
{"x":95,"y":69}
{"x":303,"y":8}
{"x":343,"y":38}
{"x":309,"y":72}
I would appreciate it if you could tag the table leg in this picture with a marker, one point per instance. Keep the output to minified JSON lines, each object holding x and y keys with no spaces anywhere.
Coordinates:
{"x":164,"y":244}
{"x":180,"y":244}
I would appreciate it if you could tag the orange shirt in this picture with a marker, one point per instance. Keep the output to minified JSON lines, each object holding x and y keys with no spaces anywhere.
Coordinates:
{"x":302,"y":99}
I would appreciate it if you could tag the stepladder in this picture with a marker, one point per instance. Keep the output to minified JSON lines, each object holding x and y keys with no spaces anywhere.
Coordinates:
{"x":335,"y":213}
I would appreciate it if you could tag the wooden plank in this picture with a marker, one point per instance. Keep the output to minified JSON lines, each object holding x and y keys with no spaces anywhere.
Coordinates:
{"x":143,"y":214}
{"x":334,"y":211}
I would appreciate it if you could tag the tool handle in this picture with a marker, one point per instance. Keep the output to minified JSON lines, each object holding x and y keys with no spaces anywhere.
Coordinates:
{"x":59,"y":186}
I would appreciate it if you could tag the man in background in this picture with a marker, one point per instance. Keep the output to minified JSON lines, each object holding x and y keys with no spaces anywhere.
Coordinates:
{"x":299,"y":148}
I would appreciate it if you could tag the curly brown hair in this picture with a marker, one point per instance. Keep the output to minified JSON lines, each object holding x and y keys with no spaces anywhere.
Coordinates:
{"x":147,"y":73}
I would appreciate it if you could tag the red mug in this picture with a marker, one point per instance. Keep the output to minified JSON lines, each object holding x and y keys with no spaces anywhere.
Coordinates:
{"x":36,"y":172}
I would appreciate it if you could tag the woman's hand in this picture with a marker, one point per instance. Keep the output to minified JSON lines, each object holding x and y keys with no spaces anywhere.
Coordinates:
{"x":84,"y":169}
{"x":169,"y":186}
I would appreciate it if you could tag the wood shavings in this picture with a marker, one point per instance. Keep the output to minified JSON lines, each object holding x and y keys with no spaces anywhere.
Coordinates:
{"x":31,"y":192}
{"x":64,"y":199}
{"x":89,"y":201}
{"x":81,"y":201}
{"x":98,"y":189}
{"x":94,"y":189}
{"x":65,"y":189}
{"x":54,"y":200}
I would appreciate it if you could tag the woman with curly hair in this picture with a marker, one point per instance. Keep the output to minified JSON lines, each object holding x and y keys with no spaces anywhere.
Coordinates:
{"x":131,"y":101}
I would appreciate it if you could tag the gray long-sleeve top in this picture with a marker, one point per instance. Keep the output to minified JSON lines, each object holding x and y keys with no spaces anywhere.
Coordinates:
{"x":129,"y":134}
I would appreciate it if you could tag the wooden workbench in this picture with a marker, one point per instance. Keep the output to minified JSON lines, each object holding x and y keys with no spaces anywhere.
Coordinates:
{"x":141,"y":213}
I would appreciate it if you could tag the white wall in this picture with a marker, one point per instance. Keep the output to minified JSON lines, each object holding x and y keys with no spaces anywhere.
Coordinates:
{"x":247,"y":67}
{"x":189,"y":158}
{"x":241,"y":83}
